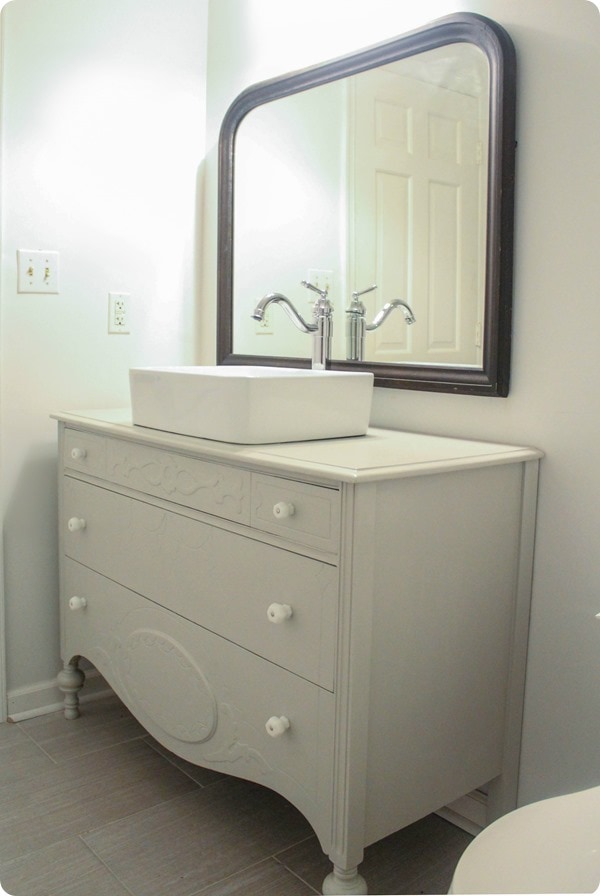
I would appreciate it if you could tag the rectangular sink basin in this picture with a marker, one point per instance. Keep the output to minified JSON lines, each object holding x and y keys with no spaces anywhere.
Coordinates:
{"x":251,"y":405}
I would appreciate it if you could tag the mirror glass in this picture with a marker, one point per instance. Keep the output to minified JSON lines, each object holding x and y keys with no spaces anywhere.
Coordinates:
{"x":384,"y":177}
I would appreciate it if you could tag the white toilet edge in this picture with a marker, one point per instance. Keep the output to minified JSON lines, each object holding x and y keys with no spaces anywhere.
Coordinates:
{"x":550,"y":846}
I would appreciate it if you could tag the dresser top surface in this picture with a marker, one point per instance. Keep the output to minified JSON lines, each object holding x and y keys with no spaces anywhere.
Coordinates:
{"x":380,"y":454}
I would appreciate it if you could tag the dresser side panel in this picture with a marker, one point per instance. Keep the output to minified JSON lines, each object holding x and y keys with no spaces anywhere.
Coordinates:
{"x":446,"y":576}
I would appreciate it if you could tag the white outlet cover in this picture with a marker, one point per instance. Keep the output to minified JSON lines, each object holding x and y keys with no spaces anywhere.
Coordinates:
{"x":118,"y":313}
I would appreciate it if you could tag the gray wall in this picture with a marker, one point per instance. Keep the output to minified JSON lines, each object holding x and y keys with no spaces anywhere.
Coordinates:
{"x":103,"y":135}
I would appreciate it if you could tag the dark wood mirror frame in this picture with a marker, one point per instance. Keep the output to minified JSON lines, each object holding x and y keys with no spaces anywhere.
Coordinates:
{"x":493,"y":377}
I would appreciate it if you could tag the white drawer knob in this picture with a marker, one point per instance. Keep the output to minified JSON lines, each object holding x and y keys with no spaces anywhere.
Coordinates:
{"x":278,"y":613}
{"x":78,"y":453}
{"x":277,"y":725}
{"x":77,"y":603}
{"x":75,"y":523}
{"x":283,"y":510}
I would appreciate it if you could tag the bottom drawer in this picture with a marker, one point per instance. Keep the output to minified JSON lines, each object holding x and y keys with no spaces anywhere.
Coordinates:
{"x":203,"y":697}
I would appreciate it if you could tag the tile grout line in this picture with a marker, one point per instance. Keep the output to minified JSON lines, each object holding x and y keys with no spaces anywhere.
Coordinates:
{"x":57,"y":843}
{"x":273,"y":858}
{"x":81,"y":838}
{"x":92,"y":830}
{"x":141,"y":811}
{"x":222,"y":880}
{"x":183,"y":770}
{"x":298,"y":877}
{"x":36,"y":744}
{"x":290,"y":870}
{"x":105,"y":865}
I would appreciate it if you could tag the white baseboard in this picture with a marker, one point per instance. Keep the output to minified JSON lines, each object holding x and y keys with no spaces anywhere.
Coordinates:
{"x":44,"y":696}
{"x":468,"y":812}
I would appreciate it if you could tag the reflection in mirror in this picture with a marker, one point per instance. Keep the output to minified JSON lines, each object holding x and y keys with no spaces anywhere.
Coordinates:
{"x":347,"y":184}
{"x":389,"y":188}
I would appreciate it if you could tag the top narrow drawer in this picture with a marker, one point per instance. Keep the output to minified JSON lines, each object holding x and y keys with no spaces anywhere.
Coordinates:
{"x":85,"y":452}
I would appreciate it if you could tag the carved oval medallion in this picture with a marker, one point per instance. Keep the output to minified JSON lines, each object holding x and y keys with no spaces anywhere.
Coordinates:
{"x":163,"y":681}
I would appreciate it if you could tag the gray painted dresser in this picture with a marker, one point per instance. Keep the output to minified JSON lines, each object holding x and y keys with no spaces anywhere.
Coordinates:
{"x":344,"y":621}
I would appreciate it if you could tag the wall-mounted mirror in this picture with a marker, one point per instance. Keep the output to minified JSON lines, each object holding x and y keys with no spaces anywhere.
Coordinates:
{"x":386,"y":178}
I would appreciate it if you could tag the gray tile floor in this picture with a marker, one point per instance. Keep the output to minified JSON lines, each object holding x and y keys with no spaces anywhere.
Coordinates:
{"x":95,"y":807}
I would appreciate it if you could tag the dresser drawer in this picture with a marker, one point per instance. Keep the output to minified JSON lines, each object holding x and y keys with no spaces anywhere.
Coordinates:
{"x":204,"y":698}
{"x":84,"y":452}
{"x":235,"y":586}
{"x":306,"y":514}
{"x":210,"y":487}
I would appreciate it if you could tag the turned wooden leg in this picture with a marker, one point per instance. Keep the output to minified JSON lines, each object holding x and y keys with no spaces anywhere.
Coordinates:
{"x":344,"y":882}
{"x":70,"y":681}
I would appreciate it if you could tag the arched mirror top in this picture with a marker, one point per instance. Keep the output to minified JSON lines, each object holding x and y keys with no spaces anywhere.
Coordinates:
{"x":386,"y":179}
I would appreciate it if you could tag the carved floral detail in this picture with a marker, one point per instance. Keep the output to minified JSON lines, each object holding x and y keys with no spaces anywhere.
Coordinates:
{"x":234,"y":750}
{"x":170,"y":475}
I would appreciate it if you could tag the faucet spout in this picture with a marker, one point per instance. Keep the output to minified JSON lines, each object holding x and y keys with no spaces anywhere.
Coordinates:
{"x":277,"y":298}
{"x":320,"y":327}
{"x":387,"y":309}
{"x":356,"y":325}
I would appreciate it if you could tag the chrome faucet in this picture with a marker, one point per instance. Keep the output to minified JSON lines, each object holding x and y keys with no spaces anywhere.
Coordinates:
{"x":321,"y":325}
{"x":357,"y":326}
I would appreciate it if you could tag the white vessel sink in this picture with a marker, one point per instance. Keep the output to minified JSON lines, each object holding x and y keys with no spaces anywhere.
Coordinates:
{"x":251,"y":405}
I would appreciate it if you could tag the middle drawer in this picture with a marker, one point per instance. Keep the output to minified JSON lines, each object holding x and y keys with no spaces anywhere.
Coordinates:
{"x":234,"y":586}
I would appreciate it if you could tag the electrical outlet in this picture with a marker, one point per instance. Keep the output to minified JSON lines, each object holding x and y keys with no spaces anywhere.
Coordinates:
{"x":37,"y":271}
{"x":264,"y":327}
{"x":118,"y":312}
{"x":319,"y":278}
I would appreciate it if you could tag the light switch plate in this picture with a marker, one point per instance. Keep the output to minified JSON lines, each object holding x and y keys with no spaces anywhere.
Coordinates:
{"x":37,"y":271}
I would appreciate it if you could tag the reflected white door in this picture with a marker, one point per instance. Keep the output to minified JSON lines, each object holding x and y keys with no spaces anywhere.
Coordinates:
{"x":417,"y":216}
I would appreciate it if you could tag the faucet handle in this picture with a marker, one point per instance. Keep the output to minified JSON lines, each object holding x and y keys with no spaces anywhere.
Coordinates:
{"x":363,"y":292}
{"x":322,"y":292}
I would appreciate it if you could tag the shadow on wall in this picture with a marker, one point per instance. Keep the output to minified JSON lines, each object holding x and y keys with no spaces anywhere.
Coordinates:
{"x":31,"y":567}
